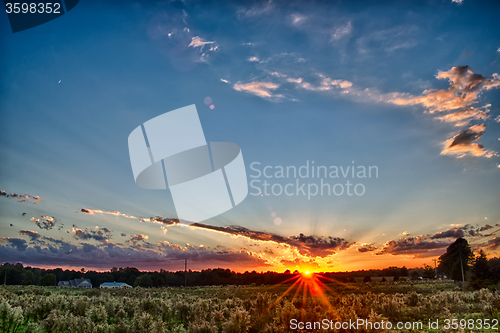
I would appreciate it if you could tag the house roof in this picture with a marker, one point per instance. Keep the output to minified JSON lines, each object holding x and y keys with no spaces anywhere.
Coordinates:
{"x":75,"y":283}
{"x":110,"y":284}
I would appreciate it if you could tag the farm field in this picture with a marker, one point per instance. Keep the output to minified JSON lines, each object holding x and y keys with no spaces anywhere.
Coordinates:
{"x":246,"y":308}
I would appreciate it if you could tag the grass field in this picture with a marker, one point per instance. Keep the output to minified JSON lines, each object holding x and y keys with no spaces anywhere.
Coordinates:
{"x":246,"y":308}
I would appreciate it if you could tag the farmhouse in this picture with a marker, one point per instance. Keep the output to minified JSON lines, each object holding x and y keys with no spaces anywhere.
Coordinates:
{"x":76,"y":283}
{"x":111,"y":285}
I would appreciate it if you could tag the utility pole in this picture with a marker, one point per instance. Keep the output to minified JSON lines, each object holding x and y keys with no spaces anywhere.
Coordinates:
{"x":435,"y":267}
{"x":462,"y":266}
{"x":185,"y":273}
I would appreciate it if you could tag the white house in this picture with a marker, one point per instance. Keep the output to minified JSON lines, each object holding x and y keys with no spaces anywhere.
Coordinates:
{"x":111,"y":285}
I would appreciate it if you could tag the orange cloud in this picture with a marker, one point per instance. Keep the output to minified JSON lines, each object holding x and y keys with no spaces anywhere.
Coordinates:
{"x":463,"y":143}
{"x":98,"y":211}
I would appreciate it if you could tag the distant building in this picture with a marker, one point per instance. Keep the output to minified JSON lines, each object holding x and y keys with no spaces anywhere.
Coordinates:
{"x":111,"y":285}
{"x":76,"y":283}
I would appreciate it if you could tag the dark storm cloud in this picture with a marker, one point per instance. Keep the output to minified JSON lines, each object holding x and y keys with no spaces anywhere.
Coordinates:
{"x":18,"y":244}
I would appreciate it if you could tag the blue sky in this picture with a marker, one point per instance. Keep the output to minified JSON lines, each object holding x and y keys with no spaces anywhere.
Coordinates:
{"x":383,"y":84}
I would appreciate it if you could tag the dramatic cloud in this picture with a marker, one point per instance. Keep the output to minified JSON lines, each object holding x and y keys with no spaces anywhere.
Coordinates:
{"x":459,"y":101}
{"x":139,"y":237}
{"x":493,"y":243}
{"x":162,"y":255}
{"x":98,"y":234}
{"x":98,"y":211}
{"x":486,"y":227}
{"x":463,"y":143}
{"x":306,"y":245}
{"x":17,"y":243}
{"x":418,"y":245}
{"x":463,"y":117}
{"x":450,"y":233}
{"x":367,"y":247}
{"x":464,"y":89}
{"x":429,"y":245}
{"x":33,"y":235}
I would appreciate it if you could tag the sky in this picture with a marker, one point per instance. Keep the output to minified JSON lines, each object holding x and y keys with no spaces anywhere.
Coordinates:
{"x":408,"y":90}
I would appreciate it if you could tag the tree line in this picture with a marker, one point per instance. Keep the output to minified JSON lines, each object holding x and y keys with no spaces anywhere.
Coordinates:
{"x":458,"y":263}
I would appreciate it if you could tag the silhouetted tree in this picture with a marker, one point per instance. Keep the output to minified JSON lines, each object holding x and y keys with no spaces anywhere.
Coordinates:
{"x":480,"y":272}
{"x":143,"y":281}
{"x":48,"y":280}
{"x":429,"y":272}
{"x":458,"y":257}
{"x":160,"y":282}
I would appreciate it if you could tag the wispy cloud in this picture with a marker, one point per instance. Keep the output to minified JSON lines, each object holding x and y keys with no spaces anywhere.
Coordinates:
{"x":342,"y":31}
{"x":98,"y":211}
{"x":297,"y":19}
{"x":199,"y":42}
{"x":161,"y":220}
{"x":257,"y":10}
{"x":261,"y":89}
